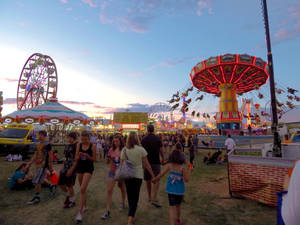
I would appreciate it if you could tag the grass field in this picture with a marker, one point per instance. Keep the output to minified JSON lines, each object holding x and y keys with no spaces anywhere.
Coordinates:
{"x":206,"y":202}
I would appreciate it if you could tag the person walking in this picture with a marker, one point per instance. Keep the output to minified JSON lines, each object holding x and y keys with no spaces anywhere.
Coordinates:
{"x":67,"y":175}
{"x":178,"y":175}
{"x":100,"y":151}
{"x":43,"y":160}
{"x":85,"y":157}
{"x":229,"y":144}
{"x":193,"y":140}
{"x":113,"y":158}
{"x":137,"y":155}
{"x":249,"y":130}
{"x":153,"y":146}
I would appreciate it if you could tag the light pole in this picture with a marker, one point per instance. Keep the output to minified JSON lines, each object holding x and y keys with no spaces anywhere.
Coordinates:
{"x":277,"y":141}
{"x":1,"y":103}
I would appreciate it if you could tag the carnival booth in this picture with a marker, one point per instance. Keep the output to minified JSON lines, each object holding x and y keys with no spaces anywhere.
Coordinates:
{"x":130,"y":121}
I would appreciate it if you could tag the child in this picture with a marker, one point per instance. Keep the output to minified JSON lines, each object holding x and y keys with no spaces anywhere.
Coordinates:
{"x":175,"y":185}
{"x":20,"y":180}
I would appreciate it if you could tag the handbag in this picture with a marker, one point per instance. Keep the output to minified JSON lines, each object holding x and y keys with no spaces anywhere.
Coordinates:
{"x":125,"y":170}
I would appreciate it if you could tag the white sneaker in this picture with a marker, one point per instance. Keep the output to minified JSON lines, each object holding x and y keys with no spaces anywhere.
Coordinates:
{"x":78,"y":218}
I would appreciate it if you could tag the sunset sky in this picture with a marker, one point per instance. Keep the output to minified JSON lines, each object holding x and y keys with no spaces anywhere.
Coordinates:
{"x":116,"y":54}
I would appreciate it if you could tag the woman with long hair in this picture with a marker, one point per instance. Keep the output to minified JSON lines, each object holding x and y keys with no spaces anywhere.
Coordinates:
{"x":85,"y":158}
{"x":137,"y":155}
{"x":113,"y":158}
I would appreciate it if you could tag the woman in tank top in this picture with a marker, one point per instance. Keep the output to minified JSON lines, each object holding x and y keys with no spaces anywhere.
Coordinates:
{"x":85,"y":157}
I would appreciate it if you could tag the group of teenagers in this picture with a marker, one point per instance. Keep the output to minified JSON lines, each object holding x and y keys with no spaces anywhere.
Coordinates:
{"x":146,"y":156}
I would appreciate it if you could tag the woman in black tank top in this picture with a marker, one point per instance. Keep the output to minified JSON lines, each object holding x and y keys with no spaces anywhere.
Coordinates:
{"x":84,"y":164}
{"x":85,"y":158}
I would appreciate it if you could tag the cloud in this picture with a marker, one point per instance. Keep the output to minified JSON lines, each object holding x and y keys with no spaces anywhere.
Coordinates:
{"x":9,"y":101}
{"x":176,"y":61}
{"x":99,"y":106}
{"x":285,"y":34}
{"x":9,"y":79}
{"x":20,"y":4}
{"x":137,"y":15}
{"x":21,"y":24}
{"x":204,"y":5}
{"x":139,"y":107}
{"x":290,"y":26}
{"x":294,"y":8}
{"x":167,"y":63}
{"x":64,"y":1}
{"x":76,"y":103}
{"x":137,"y":74}
{"x":134,"y":107}
{"x":69,"y":9}
{"x":90,"y":3}
{"x":173,"y":62}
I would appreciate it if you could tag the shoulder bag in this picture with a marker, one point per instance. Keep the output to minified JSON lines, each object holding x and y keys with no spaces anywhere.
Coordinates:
{"x":125,"y":170}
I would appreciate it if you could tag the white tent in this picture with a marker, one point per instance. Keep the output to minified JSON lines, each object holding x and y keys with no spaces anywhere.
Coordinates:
{"x":292,"y":116}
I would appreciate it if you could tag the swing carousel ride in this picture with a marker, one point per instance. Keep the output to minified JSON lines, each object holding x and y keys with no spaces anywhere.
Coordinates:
{"x":227,"y":77}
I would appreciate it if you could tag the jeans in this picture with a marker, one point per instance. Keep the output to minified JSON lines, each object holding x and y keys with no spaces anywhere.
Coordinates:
{"x":133,"y":187}
{"x":192,"y":157}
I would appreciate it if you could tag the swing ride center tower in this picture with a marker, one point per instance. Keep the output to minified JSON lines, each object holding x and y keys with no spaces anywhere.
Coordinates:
{"x":227,"y":76}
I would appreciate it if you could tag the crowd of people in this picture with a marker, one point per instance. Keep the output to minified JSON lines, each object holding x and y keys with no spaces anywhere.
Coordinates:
{"x":147,"y":153}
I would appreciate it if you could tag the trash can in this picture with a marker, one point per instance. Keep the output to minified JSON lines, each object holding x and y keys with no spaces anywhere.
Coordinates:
{"x":279,"y":205}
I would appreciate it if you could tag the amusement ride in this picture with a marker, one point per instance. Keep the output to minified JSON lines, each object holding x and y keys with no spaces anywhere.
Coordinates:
{"x":228,"y":77}
{"x":37,"y":82}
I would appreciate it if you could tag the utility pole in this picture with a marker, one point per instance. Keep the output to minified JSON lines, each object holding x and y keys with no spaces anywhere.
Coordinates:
{"x":277,"y":141}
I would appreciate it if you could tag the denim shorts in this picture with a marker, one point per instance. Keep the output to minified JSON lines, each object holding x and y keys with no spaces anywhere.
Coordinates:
{"x":111,"y":175}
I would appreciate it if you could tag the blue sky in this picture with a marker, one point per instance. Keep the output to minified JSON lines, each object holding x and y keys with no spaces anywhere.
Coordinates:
{"x":113,"y":53}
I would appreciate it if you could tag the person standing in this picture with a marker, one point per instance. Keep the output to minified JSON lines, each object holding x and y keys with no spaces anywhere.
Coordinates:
{"x":229,"y":144}
{"x":153,"y":146}
{"x":100,"y":151}
{"x":137,"y":155}
{"x":113,"y":158}
{"x":43,"y":160}
{"x":249,"y":130}
{"x":85,"y":158}
{"x":193,"y":148}
{"x":67,"y":175}
{"x":291,"y":201}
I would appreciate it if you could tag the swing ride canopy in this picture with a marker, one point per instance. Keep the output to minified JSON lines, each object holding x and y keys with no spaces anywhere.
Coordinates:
{"x":51,"y":112}
{"x":226,"y":76}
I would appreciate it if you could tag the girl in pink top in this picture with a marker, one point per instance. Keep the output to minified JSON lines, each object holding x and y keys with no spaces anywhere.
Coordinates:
{"x":113,"y":158}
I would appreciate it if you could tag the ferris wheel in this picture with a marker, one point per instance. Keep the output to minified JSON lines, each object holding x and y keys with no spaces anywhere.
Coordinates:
{"x":38,"y":81}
